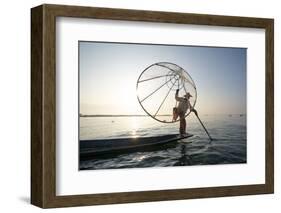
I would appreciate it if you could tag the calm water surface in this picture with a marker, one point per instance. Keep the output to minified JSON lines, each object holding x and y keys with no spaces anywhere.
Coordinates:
{"x":228,"y":146}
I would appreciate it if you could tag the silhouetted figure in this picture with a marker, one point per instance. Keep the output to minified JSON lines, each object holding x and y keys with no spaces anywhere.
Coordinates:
{"x":181,"y":109}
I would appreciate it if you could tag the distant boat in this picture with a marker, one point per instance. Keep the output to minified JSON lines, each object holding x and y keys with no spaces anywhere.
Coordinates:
{"x":94,"y":148}
{"x":241,"y":115}
{"x":229,"y":115}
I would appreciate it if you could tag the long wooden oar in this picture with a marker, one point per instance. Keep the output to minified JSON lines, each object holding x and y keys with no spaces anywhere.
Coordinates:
{"x":203,"y":126}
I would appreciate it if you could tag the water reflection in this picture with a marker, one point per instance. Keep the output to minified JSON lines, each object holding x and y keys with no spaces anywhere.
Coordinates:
{"x":229,"y":146}
{"x":184,"y":159}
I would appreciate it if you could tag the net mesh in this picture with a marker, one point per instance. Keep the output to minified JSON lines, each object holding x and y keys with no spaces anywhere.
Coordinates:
{"x":156,"y":88}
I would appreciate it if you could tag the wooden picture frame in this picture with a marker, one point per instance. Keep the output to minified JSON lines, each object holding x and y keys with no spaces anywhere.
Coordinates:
{"x":43,"y":105}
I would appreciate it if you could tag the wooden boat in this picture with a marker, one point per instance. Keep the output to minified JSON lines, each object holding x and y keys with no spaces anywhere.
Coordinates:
{"x":102,"y":147}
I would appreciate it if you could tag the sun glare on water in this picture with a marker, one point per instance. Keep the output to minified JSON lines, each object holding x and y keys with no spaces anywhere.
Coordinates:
{"x":135,"y":126}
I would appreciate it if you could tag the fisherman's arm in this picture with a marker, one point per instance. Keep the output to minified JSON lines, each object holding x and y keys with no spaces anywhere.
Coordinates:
{"x":177,"y":95}
{"x":192,"y":109}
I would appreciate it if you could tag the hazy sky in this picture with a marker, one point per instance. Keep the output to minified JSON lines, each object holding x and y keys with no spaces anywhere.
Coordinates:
{"x":108,"y":73}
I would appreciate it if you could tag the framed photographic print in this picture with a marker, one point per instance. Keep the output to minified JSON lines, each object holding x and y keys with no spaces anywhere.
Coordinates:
{"x":136,"y":106}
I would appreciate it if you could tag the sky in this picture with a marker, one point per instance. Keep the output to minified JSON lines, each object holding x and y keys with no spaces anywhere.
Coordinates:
{"x":108,"y":73}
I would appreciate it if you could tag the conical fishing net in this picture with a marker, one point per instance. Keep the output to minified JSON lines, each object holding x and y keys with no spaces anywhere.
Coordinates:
{"x":156,"y":89}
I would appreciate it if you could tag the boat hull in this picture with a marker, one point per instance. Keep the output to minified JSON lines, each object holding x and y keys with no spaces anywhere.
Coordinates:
{"x":105,"y":147}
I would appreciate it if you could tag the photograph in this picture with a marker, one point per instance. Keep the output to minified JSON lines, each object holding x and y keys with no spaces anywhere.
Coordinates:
{"x":147,"y":105}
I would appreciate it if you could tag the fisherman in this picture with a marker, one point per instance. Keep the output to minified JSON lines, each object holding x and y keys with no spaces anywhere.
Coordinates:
{"x":181,"y":110}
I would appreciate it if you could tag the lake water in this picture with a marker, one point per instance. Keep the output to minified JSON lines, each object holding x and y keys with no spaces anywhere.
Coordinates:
{"x":228,"y":147}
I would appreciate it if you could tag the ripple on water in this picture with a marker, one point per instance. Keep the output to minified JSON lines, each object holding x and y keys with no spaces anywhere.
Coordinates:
{"x":229,"y":146}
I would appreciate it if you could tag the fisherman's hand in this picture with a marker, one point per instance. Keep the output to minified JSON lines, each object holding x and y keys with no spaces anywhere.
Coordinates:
{"x":195,"y":112}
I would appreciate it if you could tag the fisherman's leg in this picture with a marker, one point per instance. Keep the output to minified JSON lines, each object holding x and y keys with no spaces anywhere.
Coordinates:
{"x":182,"y":130}
{"x":184,"y":125}
{"x":175,"y":114}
